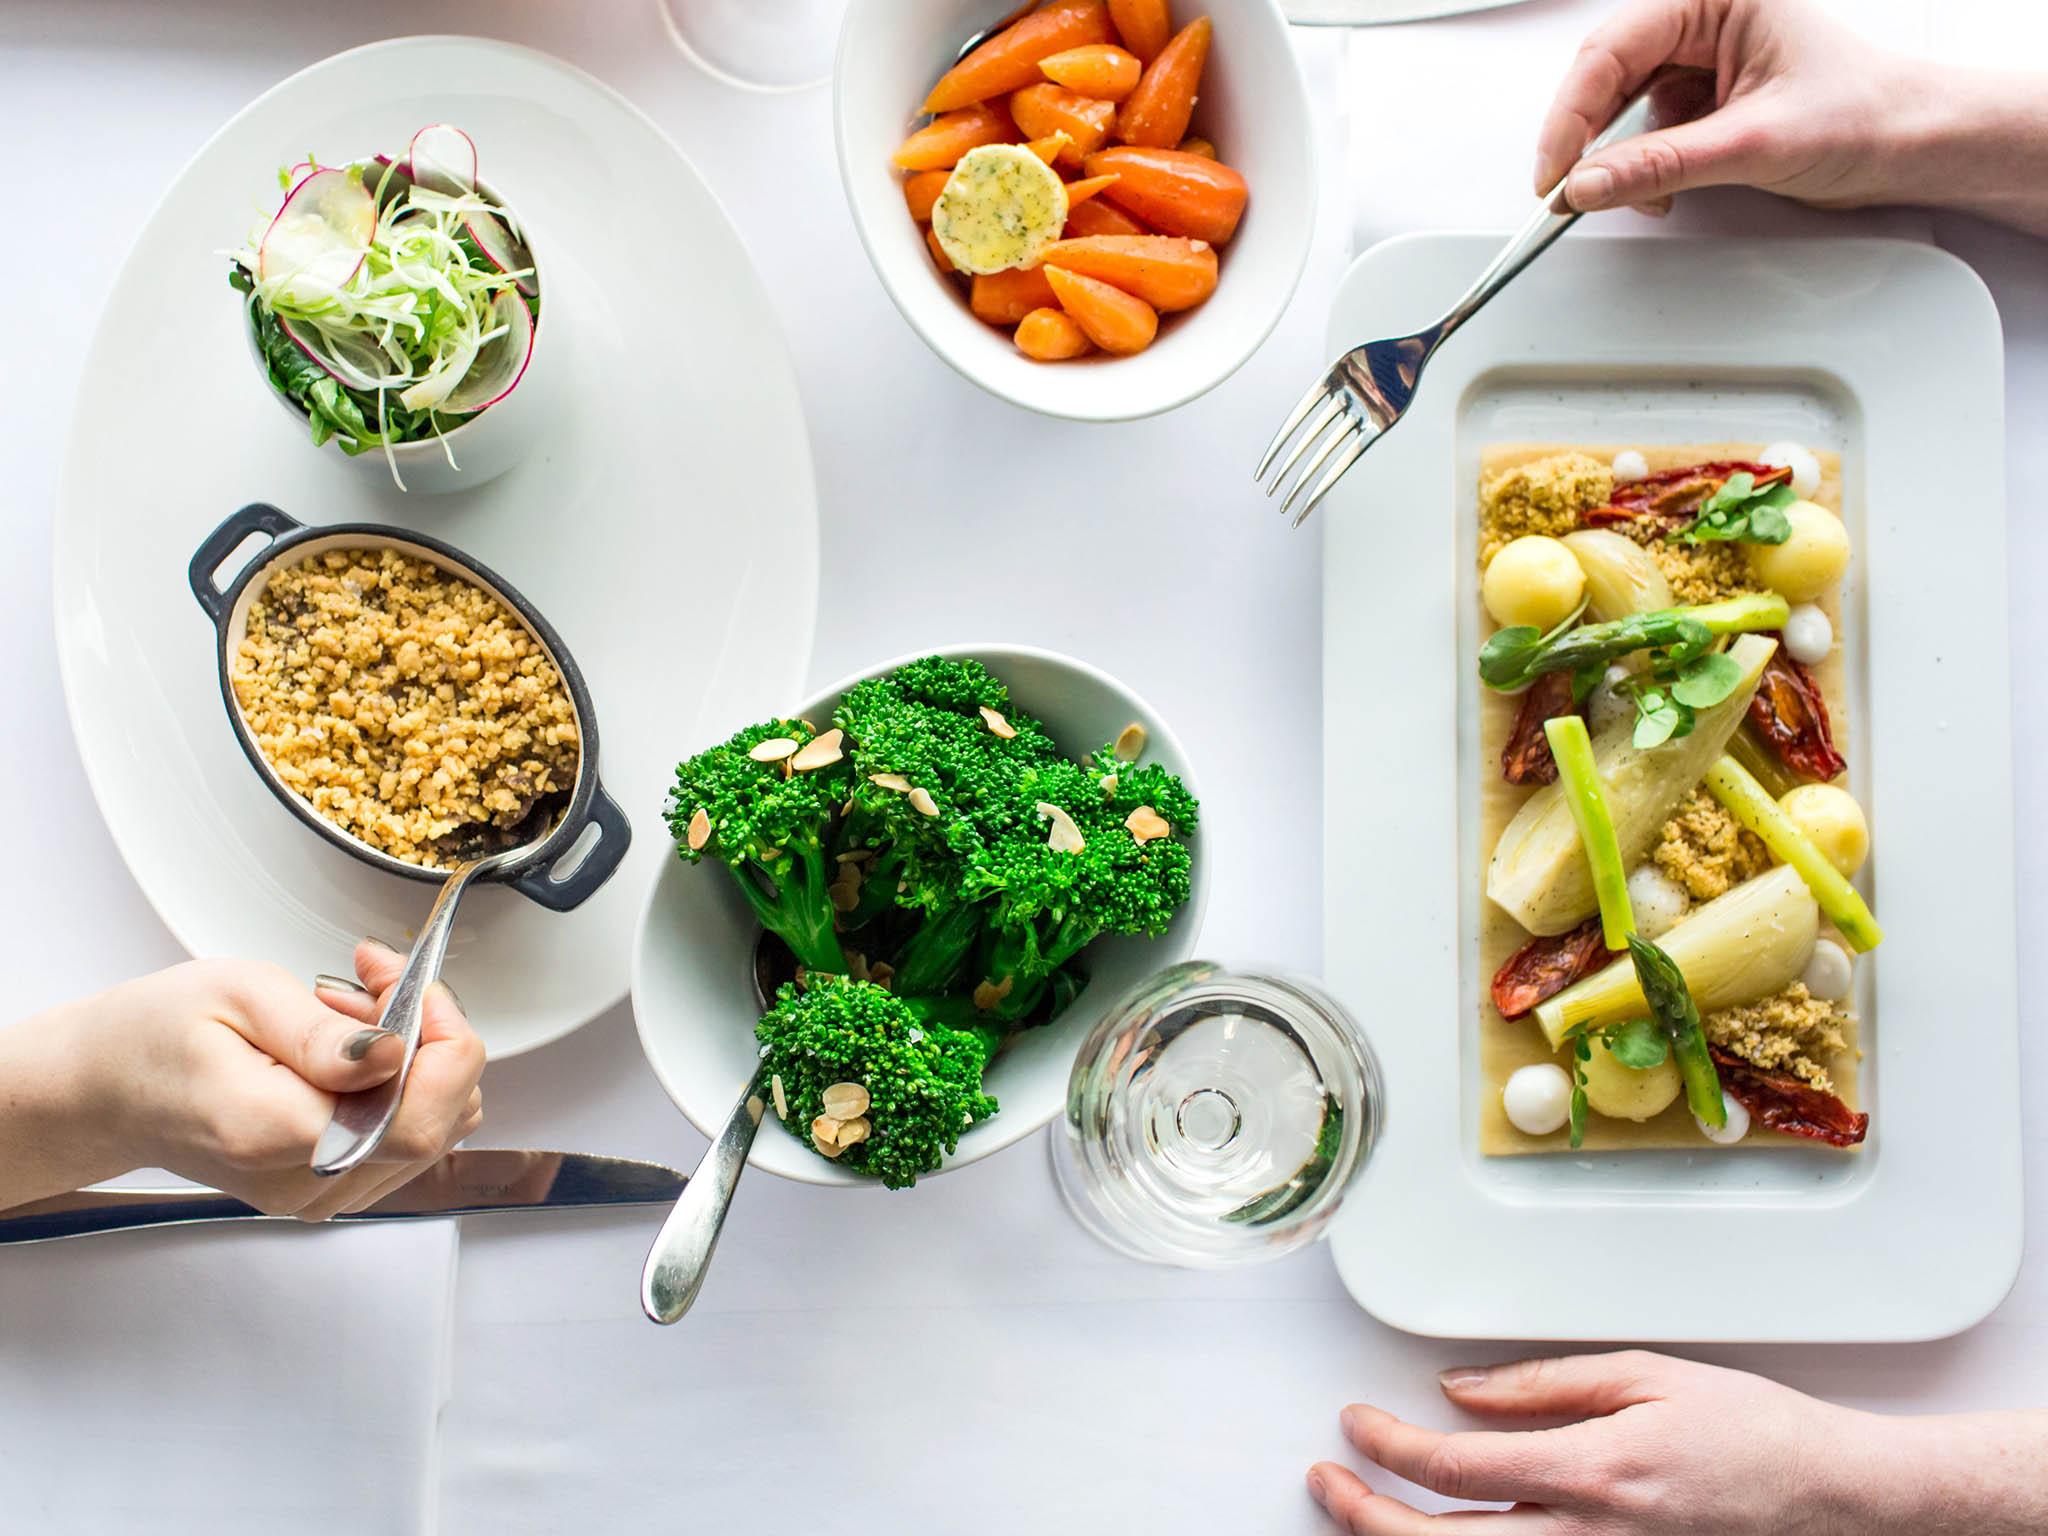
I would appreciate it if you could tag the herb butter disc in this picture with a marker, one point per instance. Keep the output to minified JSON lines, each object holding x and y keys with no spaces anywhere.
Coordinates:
{"x":1001,"y":208}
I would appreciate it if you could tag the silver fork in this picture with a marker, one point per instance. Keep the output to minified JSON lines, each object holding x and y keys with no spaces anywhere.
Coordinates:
{"x":1368,"y":388}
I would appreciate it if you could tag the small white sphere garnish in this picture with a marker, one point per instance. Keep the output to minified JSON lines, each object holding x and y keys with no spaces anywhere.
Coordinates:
{"x":1658,"y":900}
{"x":1797,"y":458}
{"x":1538,"y":1099}
{"x":1809,"y":635}
{"x":1726,"y":1135}
{"x":1630,"y":465}
{"x":1830,"y":974}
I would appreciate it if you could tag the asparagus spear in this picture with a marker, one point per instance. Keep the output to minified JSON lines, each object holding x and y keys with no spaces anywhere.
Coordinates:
{"x":1751,"y":804}
{"x":1664,"y":987}
{"x":1580,"y":777}
{"x":1514,"y":657}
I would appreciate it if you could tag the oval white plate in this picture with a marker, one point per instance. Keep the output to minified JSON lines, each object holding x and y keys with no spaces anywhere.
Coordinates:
{"x":693,"y":987}
{"x":619,"y":525}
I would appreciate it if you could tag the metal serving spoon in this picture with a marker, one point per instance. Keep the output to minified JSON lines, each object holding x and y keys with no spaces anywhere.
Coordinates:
{"x":681,"y":1255}
{"x":361,"y":1119}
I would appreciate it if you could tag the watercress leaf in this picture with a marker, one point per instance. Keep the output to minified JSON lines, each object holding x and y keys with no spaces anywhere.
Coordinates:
{"x":1579,"y":1111}
{"x":1706,"y":680}
{"x":1639,"y":1044}
{"x":1501,"y":658}
{"x":1657,"y":718}
{"x":1768,"y":525}
{"x":1585,"y":680}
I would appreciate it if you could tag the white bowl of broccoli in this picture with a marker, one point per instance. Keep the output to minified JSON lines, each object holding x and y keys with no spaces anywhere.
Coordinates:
{"x":1021,"y":857}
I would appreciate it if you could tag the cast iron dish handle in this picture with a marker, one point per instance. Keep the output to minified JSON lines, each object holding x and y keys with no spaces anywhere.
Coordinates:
{"x":614,"y":833}
{"x":257,"y":517}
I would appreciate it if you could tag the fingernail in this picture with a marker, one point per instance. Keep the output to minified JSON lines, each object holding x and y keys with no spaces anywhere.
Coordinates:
{"x":1348,"y":1420}
{"x":326,"y":983}
{"x":1653,"y":210}
{"x":357,"y":1045}
{"x":1459,"y":1377}
{"x":384,"y":944}
{"x":1316,"y":1487}
{"x":1590,"y":186}
{"x":453,"y":997}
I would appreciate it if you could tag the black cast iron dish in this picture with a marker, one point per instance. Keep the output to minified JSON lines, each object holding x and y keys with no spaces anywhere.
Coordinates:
{"x":533,"y":874}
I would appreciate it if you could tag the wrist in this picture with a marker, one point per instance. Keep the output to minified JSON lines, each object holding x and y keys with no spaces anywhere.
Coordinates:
{"x":1967,"y":139}
{"x":1986,"y":1473}
{"x":59,"y":1126}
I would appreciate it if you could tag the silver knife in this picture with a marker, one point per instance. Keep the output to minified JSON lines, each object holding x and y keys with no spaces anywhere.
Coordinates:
{"x":466,"y":1182}
{"x":1380,"y":13}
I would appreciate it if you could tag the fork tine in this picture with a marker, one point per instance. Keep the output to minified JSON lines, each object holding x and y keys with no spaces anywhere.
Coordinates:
{"x":1333,"y":474}
{"x":1316,"y":391}
{"x":1337,"y":440}
{"x":1309,"y":435}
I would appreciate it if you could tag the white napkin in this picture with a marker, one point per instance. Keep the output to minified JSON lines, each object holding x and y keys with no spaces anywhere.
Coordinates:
{"x":251,"y":1380}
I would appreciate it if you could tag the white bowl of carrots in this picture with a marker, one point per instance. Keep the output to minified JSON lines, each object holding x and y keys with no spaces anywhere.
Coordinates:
{"x":1181,"y":131}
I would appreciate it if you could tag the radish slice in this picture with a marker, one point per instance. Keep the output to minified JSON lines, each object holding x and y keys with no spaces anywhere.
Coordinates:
{"x":353,"y":360}
{"x":319,"y":238}
{"x":443,"y":159}
{"x":502,"y":250}
{"x":499,"y":364}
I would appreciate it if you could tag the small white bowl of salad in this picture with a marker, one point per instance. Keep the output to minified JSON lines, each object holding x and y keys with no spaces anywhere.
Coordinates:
{"x":393,"y":307}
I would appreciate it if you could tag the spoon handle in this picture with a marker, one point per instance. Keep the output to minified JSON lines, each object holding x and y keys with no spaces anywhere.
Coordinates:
{"x":361,"y":1119}
{"x":681,"y":1255}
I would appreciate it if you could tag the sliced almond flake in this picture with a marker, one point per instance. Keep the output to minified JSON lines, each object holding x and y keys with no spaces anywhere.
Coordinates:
{"x":781,"y":1098}
{"x":988,"y":993}
{"x":828,"y":1148}
{"x":846,"y":1101}
{"x":1108,"y":785}
{"x":857,"y":965}
{"x":755,"y":1107}
{"x":700,"y":830}
{"x":844,"y":898}
{"x":1064,"y":836}
{"x":773,"y":750}
{"x":881,"y":973}
{"x":853,"y":1133}
{"x":894,"y":781}
{"x":856,"y":856}
{"x":825,"y":1131}
{"x":1130,"y":743}
{"x":1146,"y":824}
{"x":819,"y":752}
{"x":921,"y":801}
{"x":993,"y":718}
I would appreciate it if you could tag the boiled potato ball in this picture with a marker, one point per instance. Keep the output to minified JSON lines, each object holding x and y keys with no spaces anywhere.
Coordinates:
{"x":1532,"y":580}
{"x":1832,"y":821}
{"x":1626,"y":1093}
{"x":1807,"y":563}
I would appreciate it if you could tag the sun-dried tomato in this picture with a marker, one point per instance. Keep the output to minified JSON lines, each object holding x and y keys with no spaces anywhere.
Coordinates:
{"x":1542,"y":968}
{"x":1789,"y":714}
{"x":1781,"y":1102}
{"x":1526,"y":758}
{"x":1675,"y":495}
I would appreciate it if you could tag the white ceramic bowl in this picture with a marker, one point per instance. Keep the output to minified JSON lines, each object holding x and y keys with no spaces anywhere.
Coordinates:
{"x":485,"y":446}
{"x":693,"y":988}
{"x":1253,"y":105}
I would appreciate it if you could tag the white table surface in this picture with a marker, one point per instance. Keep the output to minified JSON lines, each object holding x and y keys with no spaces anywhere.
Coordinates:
{"x":964,"y":1359}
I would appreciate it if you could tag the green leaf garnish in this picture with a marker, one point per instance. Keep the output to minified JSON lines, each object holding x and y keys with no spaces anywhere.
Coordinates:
{"x":1740,"y":513}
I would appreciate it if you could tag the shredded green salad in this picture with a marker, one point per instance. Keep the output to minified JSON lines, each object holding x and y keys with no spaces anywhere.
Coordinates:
{"x":377,"y":309}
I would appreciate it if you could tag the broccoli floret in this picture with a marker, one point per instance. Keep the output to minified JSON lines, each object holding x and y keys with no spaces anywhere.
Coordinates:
{"x":1050,"y":903}
{"x":770,"y":827}
{"x":948,"y":793}
{"x":920,"y":1060}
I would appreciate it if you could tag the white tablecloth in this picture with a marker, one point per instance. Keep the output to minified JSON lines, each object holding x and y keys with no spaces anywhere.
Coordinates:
{"x":962,"y":1360}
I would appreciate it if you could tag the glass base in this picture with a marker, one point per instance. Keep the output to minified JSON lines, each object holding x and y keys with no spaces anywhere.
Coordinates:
{"x":757,"y":45}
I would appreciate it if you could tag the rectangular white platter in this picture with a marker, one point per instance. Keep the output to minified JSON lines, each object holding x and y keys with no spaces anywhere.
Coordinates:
{"x":1890,"y":354}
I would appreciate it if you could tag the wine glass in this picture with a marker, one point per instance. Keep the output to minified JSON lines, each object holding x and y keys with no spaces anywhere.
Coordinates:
{"x":1216,"y":1117}
{"x":757,"y":45}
